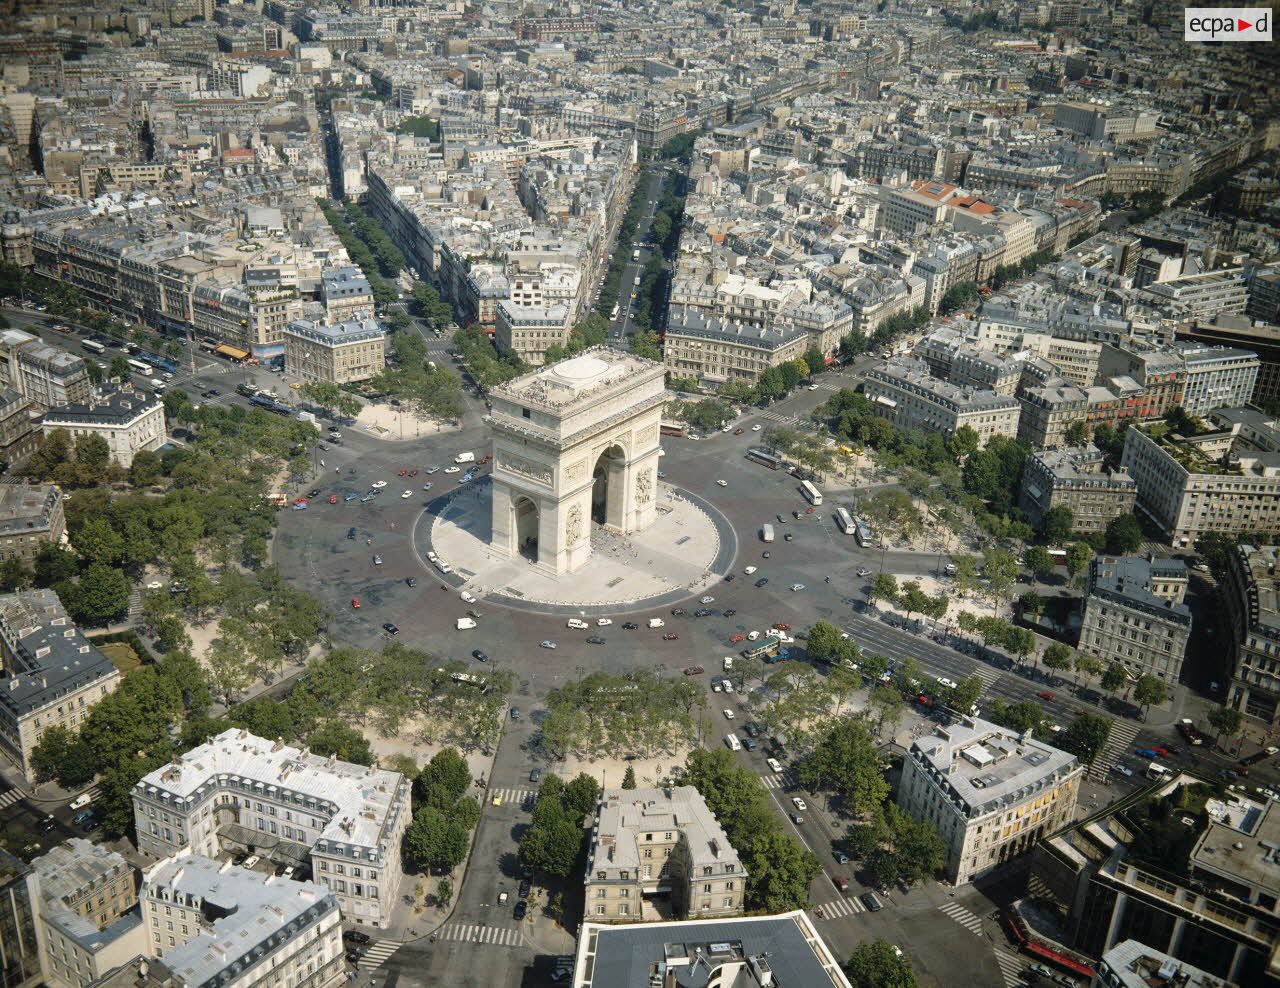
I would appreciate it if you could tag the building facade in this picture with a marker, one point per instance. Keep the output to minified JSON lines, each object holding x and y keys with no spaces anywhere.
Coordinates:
{"x":655,"y":841}
{"x":529,"y":331}
{"x":19,"y":946}
{"x":1075,"y":478}
{"x":991,"y":792}
{"x":339,"y":353}
{"x":1249,"y":594}
{"x":30,"y":517}
{"x":346,"y":295}
{"x":902,"y":391}
{"x":716,"y":350}
{"x":129,"y":420}
{"x":1134,"y":615}
{"x":291,"y":805}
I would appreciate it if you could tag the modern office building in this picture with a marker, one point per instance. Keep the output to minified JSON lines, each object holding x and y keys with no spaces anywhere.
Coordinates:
{"x":1252,"y":607}
{"x":213,"y":923}
{"x":53,"y":677}
{"x":1075,"y":477}
{"x":239,"y":790}
{"x":1216,"y":377}
{"x":129,"y":420}
{"x":1225,"y":481}
{"x":903,"y":391}
{"x":86,"y":899}
{"x":1186,"y":871}
{"x":648,"y":842}
{"x":30,"y":517}
{"x":19,"y":945}
{"x":991,"y":792}
{"x":748,"y":952}
{"x":1134,"y":615}
{"x":1240,"y":332}
{"x":336,"y":353}
{"x":1132,"y":964}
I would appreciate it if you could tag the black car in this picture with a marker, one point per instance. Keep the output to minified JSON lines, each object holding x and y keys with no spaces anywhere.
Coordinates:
{"x":871,"y":902}
{"x":728,"y":578}
{"x":48,"y":823}
{"x":731,"y":612}
{"x":630,"y":626}
{"x":522,"y":907}
{"x":351,"y":533}
{"x":525,"y":888}
{"x":353,"y":955}
{"x":703,"y":612}
{"x":752,"y":730}
{"x":762,"y":581}
{"x":678,"y":612}
{"x":480,"y":656}
{"x":412,"y":581}
{"x":749,"y":744}
{"x":90,"y":825}
{"x":355,"y":936}
{"x":390,"y":628}
{"x":314,"y":492}
{"x":595,"y":640}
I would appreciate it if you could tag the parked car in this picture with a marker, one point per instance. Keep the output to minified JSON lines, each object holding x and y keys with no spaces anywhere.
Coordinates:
{"x":548,"y":643}
{"x":355,"y":936}
{"x":694,"y":671}
{"x":390,"y":628}
{"x":1044,"y":694}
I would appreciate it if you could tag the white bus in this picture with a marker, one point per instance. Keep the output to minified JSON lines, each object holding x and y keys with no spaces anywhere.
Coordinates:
{"x":614,"y":314}
{"x":846,"y":521}
{"x":140,"y":367}
{"x":93,"y":346}
{"x":811,"y":493}
{"x":1157,"y":771}
{"x":866,"y":537}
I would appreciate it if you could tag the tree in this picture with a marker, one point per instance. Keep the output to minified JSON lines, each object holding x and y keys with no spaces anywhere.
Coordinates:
{"x":1021,"y":642}
{"x":581,"y":795}
{"x":1124,"y":535}
{"x":1086,"y":736}
{"x":93,"y":453}
{"x":337,"y":738}
{"x":1225,"y":721}
{"x":1149,"y":690}
{"x":919,"y":847}
{"x":101,"y":593}
{"x":98,"y":541}
{"x":145,"y":469}
{"x":444,"y":780}
{"x":963,"y":442}
{"x":1088,"y":665}
{"x":912,"y":599}
{"x":884,"y":587}
{"x":1057,"y":525}
{"x":433,"y":840}
{"x":444,"y":893}
{"x":1000,"y":567}
{"x":50,"y":753}
{"x":879,"y":965}
{"x":823,"y":641}
{"x":1078,"y":556}
{"x":1031,"y":605}
{"x":845,"y":761}
{"x":780,"y":872}
{"x":230,"y":670}
{"x":888,"y":705}
{"x":14,"y":575}
{"x":645,"y":344}
{"x":1077,"y":434}
{"x":1114,"y":678}
{"x":120,"y":367}
{"x":965,"y":695}
{"x":1037,"y":559}
{"x":629,"y":778}
{"x":1058,"y":657}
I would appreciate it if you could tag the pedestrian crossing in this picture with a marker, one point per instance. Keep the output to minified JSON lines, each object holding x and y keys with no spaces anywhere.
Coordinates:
{"x":10,"y":797}
{"x":779,"y":780}
{"x":779,"y":417}
{"x":377,"y":955}
{"x":1010,"y":967}
{"x":1120,"y":739}
{"x":838,"y":908}
{"x":517,"y":796}
{"x":963,"y":916}
{"x":498,"y":936}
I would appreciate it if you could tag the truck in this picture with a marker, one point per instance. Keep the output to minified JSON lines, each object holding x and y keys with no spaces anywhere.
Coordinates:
{"x":766,"y":533}
{"x":1187,"y":728}
{"x":465,"y":623}
{"x":465,"y":458}
{"x":657,"y":623}
{"x":157,"y":385}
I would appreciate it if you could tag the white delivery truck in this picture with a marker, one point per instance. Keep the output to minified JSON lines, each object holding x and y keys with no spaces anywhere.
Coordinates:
{"x":657,"y":623}
{"x":766,"y":533}
{"x":732,"y":741}
{"x":465,"y":458}
{"x":465,"y":624}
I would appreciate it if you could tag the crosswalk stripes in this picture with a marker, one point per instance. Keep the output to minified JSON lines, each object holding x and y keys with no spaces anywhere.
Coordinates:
{"x":517,"y":796}
{"x":1010,"y":967}
{"x":963,"y":916}
{"x":1120,"y":738}
{"x":376,"y":955}
{"x":498,"y":936}
{"x":841,"y":907}
{"x":10,"y":797}
{"x":778,"y":780}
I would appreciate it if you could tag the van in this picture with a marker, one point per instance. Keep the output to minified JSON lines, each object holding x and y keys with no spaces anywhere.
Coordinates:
{"x":250,"y":861}
{"x":732,"y":741}
{"x":465,"y":458}
{"x":465,"y":624}
{"x":728,"y":663}
{"x":577,"y":624}
{"x":766,"y":533}
{"x":84,"y":799}
{"x":657,"y":623}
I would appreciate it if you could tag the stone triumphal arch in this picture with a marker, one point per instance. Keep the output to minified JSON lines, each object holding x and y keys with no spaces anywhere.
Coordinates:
{"x":575,"y":444}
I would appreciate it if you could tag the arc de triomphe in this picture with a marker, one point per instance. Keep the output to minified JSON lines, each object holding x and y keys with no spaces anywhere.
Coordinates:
{"x":573,"y":443}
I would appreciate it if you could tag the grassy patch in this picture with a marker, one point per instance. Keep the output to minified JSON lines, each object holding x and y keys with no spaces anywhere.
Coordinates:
{"x":122,"y":656}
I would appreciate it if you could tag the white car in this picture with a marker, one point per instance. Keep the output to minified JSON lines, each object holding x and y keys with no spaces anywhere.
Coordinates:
{"x":799,"y":803}
{"x":154,"y":585}
{"x":708,"y":599}
{"x":797,"y":587}
{"x":774,"y":764}
{"x":863,"y":571}
{"x":427,"y":486}
{"x":716,"y":687}
{"x":661,"y":451}
{"x":453,"y":469}
{"x":1122,"y":769}
{"x":603,"y":622}
{"x":722,"y":483}
{"x":577,"y":624}
{"x":377,"y":485}
{"x":467,"y":597}
{"x":465,"y":624}
{"x":813,"y":387}
{"x":728,"y":686}
{"x":752,"y":635}
{"x":407,"y":494}
{"x":548,"y":643}
{"x":749,"y":570}
{"x":757,"y":427}
{"x":948,"y":683}
{"x":729,"y":714}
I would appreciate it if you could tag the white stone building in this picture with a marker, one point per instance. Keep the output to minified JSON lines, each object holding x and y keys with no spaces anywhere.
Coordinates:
{"x":129,"y":420}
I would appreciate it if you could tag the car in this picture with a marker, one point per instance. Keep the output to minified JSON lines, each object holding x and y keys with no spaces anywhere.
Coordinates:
{"x":521,"y":909}
{"x":841,"y":857}
{"x":757,"y":427}
{"x":1039,"y":970}
{"x":730,"y":611}
{"x":1145,"y":752}
{"x":703,"y":612}
{"x":355,"y":603}
{"x":729,"y":714}
{"x":863,"y":571}
{"x":774,"y":764}
{"x":799,"y":803}
{"x":752,"y":635}
{"x":797,"y":819}
{"x":525,"y":886}
{"x":753,"y":730}
{"x":1160,"y":752}
{"x":735,"y":638}
{"x":781,"y":626}
{"x":411,"y":581}
{"x":796,"y":587}
{"x":577,"y":624}
{"x":467,"y":597}
{"x":728,"y":686}
{"x":480,"y":656}
{"x":679,"y":612}
{"x":154,"y":585}
{"x":948,"y":683}
{"x":453,"y":469}
{"x":630,"y":626}
{"x":377,"y":485}
{"x":355,"y":936}
{"x":694,"y":670}
{"x":377,"y":560}
{"x":48,"y":824}
{"x":82,"y":816}
{"x":708,"y":599}
{"x":747,"y":571}
{"x":535,"y":775}
{"x":430,"y":470}
{"x":546,"y":643}
{"x":716,"y":687}
{"x":515,"y":713}
{"x":465,"y":478}
{"x":427,"y":486}
{"x":749,"y":744}
{"x":722,"y":483}
{"x":603,"y":622}
{"x":738,"y":431}
{"x":390,"y":628}
{"x":871,"y":902}
{"x":1122,"y":769}
{"x":762,"y":581}
{"x":788,"y":537}
{"x":406,"y":494}
{"x":368,"y":497}
{"x":1044,"y":694}
{"x":351,"y":533}
{"x":333,"y":498}
{"x":766,"y":554}
{"x":670,"y":637}
{"x":840,"y":883}
{"x":595,"y":640}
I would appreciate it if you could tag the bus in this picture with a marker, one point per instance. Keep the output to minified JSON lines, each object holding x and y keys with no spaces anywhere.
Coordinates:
{"x":140,"y":367}
{"x":862,"y":531}
{"x":845,"y":521}
{"x":765,"y":648}
{"x":764,"y":458}
{"x":614,"y":313}
{"x":93,"y":346}
{"x":669,"y":428}
{"x":468,"y":679}
{"x":1157,"y":771}
{"x":811,"y":493}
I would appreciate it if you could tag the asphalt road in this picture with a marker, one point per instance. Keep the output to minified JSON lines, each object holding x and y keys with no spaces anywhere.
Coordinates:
{"x":624,"y":325}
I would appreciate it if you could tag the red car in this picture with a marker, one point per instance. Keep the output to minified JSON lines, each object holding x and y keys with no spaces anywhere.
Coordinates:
{"x":355,"y":603}
{"x":1045,"y":695}
{"x":486,"y":458}
{"x":1161,"y":752}
{"x":734,"y":639}
{"x":333,"y":498}
{"x":738,"y":431}
{"x":694,"y":671}
{"x":403,"y":471}
{"x":413,"y":472}
{"x":781,"y":626}
{"x":840,"y":882}
{"x":669,"y":637}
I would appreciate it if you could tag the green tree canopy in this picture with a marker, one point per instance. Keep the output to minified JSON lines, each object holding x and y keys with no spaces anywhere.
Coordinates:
{"x":845,"y":761}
